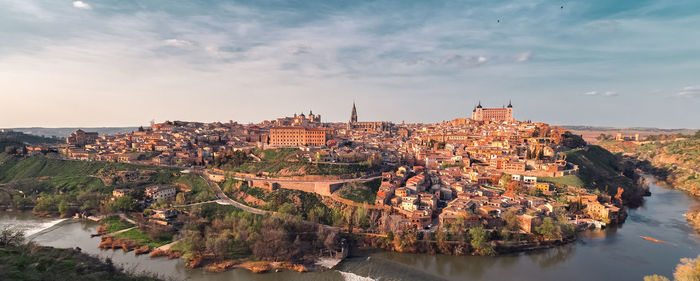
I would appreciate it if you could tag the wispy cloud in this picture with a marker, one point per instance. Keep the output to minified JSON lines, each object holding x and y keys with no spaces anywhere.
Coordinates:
{"x":81,"y":5}
{"x":688,"y":92}
{"x":523,"y":57}
{"x":179,"y":43}
{"x":296,"y":53}
{"x":601,"y":94}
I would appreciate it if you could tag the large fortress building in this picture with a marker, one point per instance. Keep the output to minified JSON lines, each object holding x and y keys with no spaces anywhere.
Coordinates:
{"x":493,"y":114}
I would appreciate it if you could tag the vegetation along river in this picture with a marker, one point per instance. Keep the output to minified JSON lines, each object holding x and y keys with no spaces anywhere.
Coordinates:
{"x":612,"y":254}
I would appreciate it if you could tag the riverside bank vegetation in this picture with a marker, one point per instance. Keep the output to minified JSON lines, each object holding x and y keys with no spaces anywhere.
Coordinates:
{"x":27,"y":261}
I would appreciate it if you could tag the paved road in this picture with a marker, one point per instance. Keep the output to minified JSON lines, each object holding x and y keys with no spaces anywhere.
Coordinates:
{"x":222,"y":199}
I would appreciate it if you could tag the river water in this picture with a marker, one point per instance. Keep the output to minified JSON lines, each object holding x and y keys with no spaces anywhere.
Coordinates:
{"x":612,"y":254}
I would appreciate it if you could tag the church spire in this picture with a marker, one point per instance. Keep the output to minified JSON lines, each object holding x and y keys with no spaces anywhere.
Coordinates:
{"x":510,"y":105}
{"x":353,"y":115}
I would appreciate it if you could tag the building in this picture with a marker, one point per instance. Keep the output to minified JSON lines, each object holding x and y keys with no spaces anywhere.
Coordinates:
{"x":157,"y":191}
{"x":300,"y":120}
{"x":373,"y":126}
{"x":493,"y":114}
{"x":607,"y":213}
{"x":81,"y":138}
{"x":353,"y":115}
{"x":293,"y":136}
{"x":120,"y":192}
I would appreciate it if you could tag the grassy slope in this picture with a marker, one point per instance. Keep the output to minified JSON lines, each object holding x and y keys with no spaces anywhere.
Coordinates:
{"x":63,"y":175}
{"x":679,"y":159}
{"x":46,"y":263}
{"x":40,"y":166}
{"x":141,"y":238}
{"x":600,"y":169}
{"x":276,"y":160}
{"x":114,"y":223}
{"x":361,"y":193}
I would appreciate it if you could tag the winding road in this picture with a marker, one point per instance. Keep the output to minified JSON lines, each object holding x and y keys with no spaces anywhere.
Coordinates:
{"x":222,"y":199}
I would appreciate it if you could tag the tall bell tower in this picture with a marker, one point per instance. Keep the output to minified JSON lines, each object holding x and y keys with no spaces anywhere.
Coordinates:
{"x":353,"y":115}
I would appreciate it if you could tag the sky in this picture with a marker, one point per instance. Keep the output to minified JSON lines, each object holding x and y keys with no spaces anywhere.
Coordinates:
{"x":90,"y":63}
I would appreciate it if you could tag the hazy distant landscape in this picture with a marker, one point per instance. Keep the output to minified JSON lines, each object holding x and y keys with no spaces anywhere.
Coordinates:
{"x":590,"y":133}
{"x":65,"y":131}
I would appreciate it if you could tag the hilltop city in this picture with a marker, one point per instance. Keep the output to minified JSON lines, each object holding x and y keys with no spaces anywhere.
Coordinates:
{"x":485,"y":185}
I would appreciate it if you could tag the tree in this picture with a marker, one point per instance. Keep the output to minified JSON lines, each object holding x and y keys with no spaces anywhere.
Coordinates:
{"x":361,"y":217}
{"x":480,"y":241}
{"x":124,"y":203}
{"x":548,"y":229}
{"x":10,"y":236}
{"x":288,"y":208}
{"x":688,"y":270}
{"x":180,"y":198}
{"x":511,"y":219}
{"x":655,"y":278}
{"x":64,"y":208}
{"x":348,"y":217}
{"x":540,"y":154}
{"x":441,"y":238}
{"x":505,"y":179}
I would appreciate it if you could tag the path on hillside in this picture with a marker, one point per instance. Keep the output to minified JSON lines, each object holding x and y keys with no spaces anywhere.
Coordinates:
{"x":124,"y":217}
{"x":223,"y":199}
{"x":120,"y":231}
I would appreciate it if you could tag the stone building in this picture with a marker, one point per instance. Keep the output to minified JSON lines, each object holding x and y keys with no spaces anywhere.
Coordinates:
{"x":293,"y":136}
{"x":494,"y":114}
{"x":373,"y":126}
{"x":80,"y":138}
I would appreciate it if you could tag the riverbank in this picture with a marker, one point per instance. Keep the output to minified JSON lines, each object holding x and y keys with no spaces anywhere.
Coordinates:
{"x":34,"y":262}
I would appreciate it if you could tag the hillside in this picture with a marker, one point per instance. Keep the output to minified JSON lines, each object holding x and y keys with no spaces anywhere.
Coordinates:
{"x":64,"y":132}
{"x":602,"y":170}
{"x":44,"y":183}
{"x":17,"y":139}
{"x":675,"y":159}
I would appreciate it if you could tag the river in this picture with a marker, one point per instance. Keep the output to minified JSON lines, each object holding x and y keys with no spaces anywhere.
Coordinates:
{"x":612,"y":254}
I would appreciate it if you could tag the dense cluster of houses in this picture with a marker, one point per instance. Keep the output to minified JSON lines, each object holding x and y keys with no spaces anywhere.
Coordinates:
{"x":465,"y":168}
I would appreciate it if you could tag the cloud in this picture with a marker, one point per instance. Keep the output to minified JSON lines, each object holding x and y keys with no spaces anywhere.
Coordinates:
{"x":81,"y":5}
{"x":523,"y":57}
{"x":301,"y":50}
{"x":688,"y":92}
{"x":179,"y":43}
{"x":601,"y":94}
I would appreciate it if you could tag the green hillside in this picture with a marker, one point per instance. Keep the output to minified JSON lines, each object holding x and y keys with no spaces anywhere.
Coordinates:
{"x":19,"y":139}
{"x":50,"y":185}
{"x":602,"y":170}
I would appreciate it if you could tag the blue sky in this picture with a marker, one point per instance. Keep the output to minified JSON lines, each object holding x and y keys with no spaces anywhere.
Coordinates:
{"x":119,"y":63}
